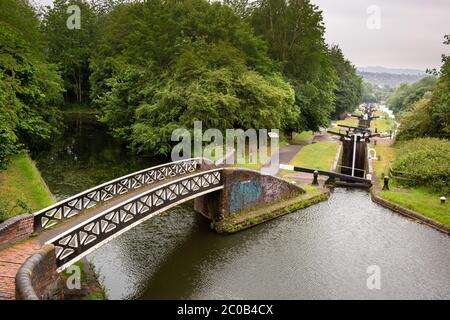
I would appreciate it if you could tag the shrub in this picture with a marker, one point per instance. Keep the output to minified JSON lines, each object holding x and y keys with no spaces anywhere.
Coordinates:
{"x":425,"y":162}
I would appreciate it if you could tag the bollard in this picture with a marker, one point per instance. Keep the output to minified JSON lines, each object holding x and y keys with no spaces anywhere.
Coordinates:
{"x":376,"y":130}
{"x":386,"y":183}
{"x":374,"y":142}
{"x":443,"y":200}
{"x":315,"y":181}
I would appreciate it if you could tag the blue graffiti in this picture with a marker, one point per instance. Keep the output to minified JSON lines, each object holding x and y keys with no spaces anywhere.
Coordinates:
{"x":243,"y":194}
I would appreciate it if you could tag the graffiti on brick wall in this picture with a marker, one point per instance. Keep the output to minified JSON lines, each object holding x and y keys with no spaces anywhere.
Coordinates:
{"x":245,"y":193}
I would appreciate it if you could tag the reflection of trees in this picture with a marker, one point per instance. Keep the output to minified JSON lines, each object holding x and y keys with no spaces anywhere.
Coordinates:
{"x":85,"y":156}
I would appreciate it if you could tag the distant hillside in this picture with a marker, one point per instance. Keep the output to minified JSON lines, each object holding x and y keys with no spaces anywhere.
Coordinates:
{"x":398,"y":71}
{"x":391,"y":80}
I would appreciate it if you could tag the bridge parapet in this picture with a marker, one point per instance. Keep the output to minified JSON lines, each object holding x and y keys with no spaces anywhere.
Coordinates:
{"x":244,"y":190}
{"x":80,"y":240}
{"x":71,"y":206}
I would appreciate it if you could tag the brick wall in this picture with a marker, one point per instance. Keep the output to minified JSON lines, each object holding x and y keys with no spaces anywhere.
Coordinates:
{"x":37,"y":278}
{"x":244,"y":190}
{"x":16,"y":228}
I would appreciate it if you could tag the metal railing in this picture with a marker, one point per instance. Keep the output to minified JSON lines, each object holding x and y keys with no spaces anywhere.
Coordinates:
{"x":67,"y":208}
{"x":80,"y":240}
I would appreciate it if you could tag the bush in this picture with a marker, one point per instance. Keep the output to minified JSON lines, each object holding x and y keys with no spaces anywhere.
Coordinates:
{"x":425,"y":162}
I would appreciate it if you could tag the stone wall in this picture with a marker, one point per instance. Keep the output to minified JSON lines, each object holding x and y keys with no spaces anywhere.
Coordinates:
{"x":244,"y":190}
{"x":37,"y":278}
{"x":16,"y":228}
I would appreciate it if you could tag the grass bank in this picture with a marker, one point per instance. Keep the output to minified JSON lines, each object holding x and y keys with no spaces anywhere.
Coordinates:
{"x":22,"y":189}
{"x":383,"y":125}
{"x":348,"y":122}
{"x":319,"y":155}
{"x":419,"y":200}
{"x":304,"y":137}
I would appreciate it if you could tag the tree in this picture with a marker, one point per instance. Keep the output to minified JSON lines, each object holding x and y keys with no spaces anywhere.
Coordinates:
{"x":294,"y":31}
{"x":71,"y":49}
{"x":30,"y":87}
{"x":407,"y":94}
{"x":162,"y":65}
{"x":348,"y":92}
{"x":430,"y":116}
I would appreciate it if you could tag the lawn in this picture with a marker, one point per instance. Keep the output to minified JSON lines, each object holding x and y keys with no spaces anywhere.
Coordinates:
{"x":260,"y":159}
{"x":22,"y":188}
{"x":303,"y":137}
{"x":319,"y":155}
{"x":349,"y":122}
{"x":383,"y":125}
{"x":417,"y":199}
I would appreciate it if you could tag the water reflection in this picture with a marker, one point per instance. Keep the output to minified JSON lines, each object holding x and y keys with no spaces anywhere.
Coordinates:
{"x":85,"y":156}
{"x":321,"y":252}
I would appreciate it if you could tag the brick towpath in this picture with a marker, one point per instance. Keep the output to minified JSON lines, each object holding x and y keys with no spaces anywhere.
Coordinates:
{"x":11,"y":258}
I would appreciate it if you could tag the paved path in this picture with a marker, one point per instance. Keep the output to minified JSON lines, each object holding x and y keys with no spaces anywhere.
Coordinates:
{"x":11,"y":258}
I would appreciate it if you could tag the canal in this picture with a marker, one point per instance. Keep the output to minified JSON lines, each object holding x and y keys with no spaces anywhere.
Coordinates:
{"x":321,"y":252}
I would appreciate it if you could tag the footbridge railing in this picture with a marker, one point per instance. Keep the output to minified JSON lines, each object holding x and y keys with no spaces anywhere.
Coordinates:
{"x":71,"y":206}
{"x":80,"y":240}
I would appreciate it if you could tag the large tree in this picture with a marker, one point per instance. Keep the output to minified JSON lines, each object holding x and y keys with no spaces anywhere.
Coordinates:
{"x":430,"y":116}
{"x":162,"y":65}
{"x":30,"y":87}
{"x":348,"y":92}
{"x":71,"y":48}
{"x":295,"y":31}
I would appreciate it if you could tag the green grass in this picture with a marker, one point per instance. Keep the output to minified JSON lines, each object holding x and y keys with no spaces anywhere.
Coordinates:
{"x":319,"y":155}
{"x":215,"y":153}
{"x":348,"y":122}
{"x":303,"y":137}
{"x":420,"y":200}
{"x":21,"y":182}
{"x":261,"y":160}
{"x":383,"y":125}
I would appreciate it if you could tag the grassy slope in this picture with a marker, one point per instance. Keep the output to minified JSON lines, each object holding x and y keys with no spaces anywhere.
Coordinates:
{"x":417,"y":199}
{"x":383,"y":125}
{"x":304,"y":136}
{"x":319,"y":155}
{"x":349,"y":122}
{"x":22,"y":181}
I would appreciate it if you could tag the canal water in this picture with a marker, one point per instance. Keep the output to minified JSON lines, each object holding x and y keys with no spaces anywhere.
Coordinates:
{"x":321,"y":252}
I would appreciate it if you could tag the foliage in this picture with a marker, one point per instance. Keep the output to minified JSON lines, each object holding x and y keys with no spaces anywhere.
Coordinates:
{"x":430,"y":116}
{"x":372,"y":93}
{"x":72,"y":48}
{"x":163,"y":65}
{"x":407,"y":94}
{"x":348,"y":92}
{"x":294,"y":31}
{"x":425,"y":162}
{"x":30,"y":88}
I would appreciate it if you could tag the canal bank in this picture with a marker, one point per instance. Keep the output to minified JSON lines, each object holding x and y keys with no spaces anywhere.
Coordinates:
{"x":319,"y":252}
{"x":322,"y":251}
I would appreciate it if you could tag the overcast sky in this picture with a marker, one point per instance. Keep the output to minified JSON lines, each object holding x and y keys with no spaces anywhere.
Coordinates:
{"x":410,"y":35}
